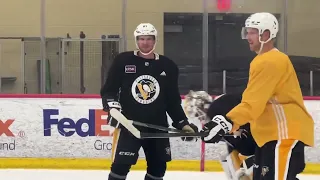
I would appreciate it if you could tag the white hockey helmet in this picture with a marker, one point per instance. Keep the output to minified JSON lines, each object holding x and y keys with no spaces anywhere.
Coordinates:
{"x":145,"y":29}
{"x":262,"y":21}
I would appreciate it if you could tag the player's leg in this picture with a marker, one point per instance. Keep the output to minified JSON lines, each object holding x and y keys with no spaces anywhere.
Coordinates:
{"x":297,"y":161}
{"x":282,"y":159}
{"x":158,"y":153}
{"x":247,"y":168}
{"x":125,"y":152}
{"x":242,"y":141}
{"x":240,"y":154}
{"x":237,"y":166}
{"x":256,"y":164}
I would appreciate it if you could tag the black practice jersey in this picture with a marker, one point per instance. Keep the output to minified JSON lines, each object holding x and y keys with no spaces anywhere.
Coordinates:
{"x":147,"y":89}
{"x":224,"y":104}
{"x":221,"y":106}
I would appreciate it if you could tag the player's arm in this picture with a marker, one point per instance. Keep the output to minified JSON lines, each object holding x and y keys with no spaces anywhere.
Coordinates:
{"x":263,"y":80}
{"x":174,"y":108}
{"x":110,"y":90}
{"x":173,"y":98}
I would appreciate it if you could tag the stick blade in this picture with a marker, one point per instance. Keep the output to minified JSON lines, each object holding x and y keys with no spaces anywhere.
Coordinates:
{"x":125,"y":122}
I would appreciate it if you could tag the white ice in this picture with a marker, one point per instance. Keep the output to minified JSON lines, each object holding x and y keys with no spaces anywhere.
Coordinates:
{"x":20,"y":174}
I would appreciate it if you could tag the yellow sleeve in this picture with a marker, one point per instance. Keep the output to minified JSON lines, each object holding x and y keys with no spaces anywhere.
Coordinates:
{"x":263,"y":78}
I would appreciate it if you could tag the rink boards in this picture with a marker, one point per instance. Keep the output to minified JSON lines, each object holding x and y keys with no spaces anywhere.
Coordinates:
{"x":70,"y":131}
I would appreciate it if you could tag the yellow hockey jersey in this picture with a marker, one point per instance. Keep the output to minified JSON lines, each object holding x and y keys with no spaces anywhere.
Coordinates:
{"x":273,"y":103}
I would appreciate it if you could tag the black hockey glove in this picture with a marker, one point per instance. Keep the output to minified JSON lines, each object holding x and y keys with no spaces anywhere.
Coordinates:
{"x":217,"y":127}
{"x":190,"y":128}
{"x":108,"y":104}
{"x":179,"y":125}
{"x":184,"y":125}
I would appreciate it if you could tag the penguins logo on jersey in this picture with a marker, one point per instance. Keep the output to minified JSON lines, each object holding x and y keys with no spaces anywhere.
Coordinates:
{"x":145,"y":89}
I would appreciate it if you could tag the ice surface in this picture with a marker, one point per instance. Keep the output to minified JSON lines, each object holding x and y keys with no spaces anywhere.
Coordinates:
{"x":19,"y":174}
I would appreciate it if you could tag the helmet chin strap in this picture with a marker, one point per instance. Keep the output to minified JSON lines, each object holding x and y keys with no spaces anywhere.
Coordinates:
{"x":261,"y":47}
{"x":262,"y":43}
{"x":148,"y":52}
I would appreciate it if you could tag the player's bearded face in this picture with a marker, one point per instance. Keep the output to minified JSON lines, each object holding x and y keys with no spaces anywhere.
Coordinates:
{"x":146,"y":43}
{"x":253,"y":39}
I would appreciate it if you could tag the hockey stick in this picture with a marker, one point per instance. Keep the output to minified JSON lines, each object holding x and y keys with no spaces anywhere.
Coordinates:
{"x":125,"y":122}
{"x":171,"y":129}
{"x":128,"y":124}
{"x":155,"y":126}
{"x":161,"y":127}
{"x":170,"y":135}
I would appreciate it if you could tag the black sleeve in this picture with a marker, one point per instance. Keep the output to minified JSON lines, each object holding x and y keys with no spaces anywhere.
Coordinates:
{"x":174,"y":108}
{"x":223,"y":105}
{"x":110,"y":89}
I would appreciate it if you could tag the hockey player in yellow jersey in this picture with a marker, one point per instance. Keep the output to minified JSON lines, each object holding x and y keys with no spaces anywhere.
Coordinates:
{"x":273,"y":105}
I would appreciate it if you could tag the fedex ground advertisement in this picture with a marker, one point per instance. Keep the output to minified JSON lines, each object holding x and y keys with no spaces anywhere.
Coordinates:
{"x":65,"y":128}
{"x":92,"y":125}
{"x":77,"y":128}
{"x":10,"y":135}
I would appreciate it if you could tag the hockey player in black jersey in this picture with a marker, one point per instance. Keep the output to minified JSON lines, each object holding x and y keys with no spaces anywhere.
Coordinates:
{"x":143,"y":85}
{"x":238,"y":160}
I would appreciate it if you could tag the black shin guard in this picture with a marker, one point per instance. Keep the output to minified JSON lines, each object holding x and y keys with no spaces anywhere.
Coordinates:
{"x":156,"y":171}
{"x":119,"y":171}
{"x":150,"y":177}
